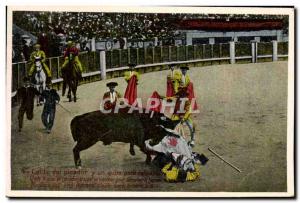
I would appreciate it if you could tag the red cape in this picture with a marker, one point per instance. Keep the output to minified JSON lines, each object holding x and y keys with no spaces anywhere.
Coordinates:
{"x":170,"y":89}
{"x":131,"y":90}
{"x":190,"y":90}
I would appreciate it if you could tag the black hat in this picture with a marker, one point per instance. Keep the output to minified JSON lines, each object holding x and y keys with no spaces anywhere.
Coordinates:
{"x":172,"y":65}
{"x":112,"y":84}
{"x":184,"y":68}
{"x":131,"y":65}
{"x":200,"y":157}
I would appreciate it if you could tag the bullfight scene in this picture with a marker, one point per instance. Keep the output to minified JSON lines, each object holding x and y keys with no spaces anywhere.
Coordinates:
{"x":157,"y":102}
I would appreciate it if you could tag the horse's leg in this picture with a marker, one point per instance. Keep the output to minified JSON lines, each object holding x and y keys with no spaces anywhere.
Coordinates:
{"x":81,"y":145}
{"x":38,"y":85}
{"x":64,"y":87}
{"x":38,"y":96}
{"x":75,"y":83}
{"x":73,"y":88}
{"x":44,"y":82}
{"x":69,"y":92}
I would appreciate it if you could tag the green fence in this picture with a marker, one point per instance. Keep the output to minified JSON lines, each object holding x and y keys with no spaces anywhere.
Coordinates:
{"x":265,"y":48}
{"x":242,"y":49}
{"x":142,"y":56}
{"x":282,"y":48}
{"x":152,"y":55}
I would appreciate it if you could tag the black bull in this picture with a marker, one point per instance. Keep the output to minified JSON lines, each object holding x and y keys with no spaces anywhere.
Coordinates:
{"x":133,"y":128}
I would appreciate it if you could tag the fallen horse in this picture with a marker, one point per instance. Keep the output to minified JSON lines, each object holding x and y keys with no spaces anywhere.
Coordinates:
{"x":134,"y":128}
{"x":175,"y":158}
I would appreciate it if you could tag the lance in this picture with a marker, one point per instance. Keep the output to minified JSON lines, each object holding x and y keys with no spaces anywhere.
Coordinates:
{"x":64,"y":108}
{"x":219,"y":156}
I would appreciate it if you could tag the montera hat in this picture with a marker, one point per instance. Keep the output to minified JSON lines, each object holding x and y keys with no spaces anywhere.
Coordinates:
{"x":131,"y":65}
{"x":112,"y":84}
{"x":172,"y":65}
{"x":37,"y":46}
{"x":184,"y":68}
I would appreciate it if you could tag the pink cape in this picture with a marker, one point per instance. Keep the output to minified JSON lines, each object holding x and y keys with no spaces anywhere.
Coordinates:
{"x":156,"y":96}
{"x":170,"y":89}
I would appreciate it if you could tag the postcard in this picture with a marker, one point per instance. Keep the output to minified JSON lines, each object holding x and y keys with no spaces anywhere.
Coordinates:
{"x":150,"y":101}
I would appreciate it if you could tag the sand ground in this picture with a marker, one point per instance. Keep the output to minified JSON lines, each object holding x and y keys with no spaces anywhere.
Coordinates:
{"x":243,"y":117}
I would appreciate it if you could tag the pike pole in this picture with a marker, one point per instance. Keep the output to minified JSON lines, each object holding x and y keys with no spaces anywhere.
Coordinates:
{"x":64,"y":108}
{"x":220,"y":157}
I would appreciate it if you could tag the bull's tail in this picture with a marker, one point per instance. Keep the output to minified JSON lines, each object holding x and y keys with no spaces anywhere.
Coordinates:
{"x":75,"y":130}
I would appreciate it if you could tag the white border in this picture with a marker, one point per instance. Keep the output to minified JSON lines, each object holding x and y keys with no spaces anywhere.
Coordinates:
{"x":29,"y":193}
{"x":145,"y":9}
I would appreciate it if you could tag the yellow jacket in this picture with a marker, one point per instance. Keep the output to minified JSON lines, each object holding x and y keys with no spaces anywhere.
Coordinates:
{"x":187,"y":110}
{"x":129,"y":74}
{"x":172,"y":174}
{"x":184,"y":80}
{"x":174,"y":76}
{"x":40,"y":54}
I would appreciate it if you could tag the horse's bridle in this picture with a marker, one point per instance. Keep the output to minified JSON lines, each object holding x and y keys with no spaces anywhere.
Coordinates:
{"x":39,"y":69}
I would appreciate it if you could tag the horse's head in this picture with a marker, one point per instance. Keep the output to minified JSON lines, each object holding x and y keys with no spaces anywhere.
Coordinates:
{"x":71,"y":57}
{"x":38,"y":63}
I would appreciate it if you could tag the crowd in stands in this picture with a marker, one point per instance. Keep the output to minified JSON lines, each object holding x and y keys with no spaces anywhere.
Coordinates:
{"x":54,"y":29}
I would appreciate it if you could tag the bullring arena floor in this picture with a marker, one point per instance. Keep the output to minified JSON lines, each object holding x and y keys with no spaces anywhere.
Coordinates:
{"x":243,"y":117}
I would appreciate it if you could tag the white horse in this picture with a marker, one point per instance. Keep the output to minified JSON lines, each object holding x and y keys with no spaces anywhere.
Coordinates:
{"x":40,"y":79}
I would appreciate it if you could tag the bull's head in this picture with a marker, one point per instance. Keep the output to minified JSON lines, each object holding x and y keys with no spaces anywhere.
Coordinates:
{"x":167,"y":122}
{"x":159,"y":133}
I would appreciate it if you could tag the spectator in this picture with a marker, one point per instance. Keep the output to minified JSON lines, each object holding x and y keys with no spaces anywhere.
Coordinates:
{"x":122,"y":43}
{"x":43,"y":41}
{"x":25,"y":54}
{"x":84,"y":47}
{"x":54,"y":43}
